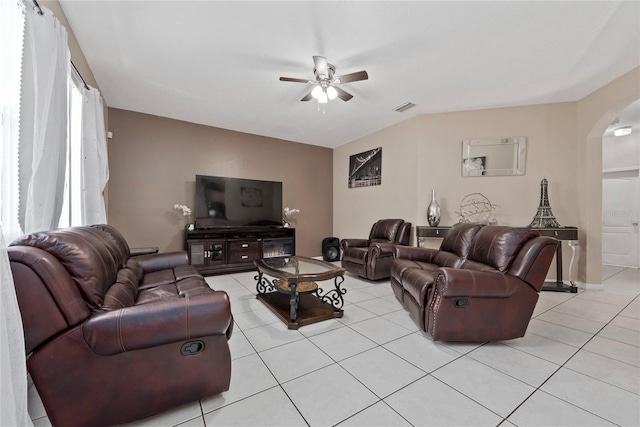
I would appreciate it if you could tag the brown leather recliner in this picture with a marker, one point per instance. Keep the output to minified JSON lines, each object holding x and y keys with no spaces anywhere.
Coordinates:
{"x":372,"y":258}
{"x":481,"y":285}
{"x":110,"y":338}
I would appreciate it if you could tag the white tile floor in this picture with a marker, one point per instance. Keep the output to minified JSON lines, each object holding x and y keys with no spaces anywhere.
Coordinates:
{"x":578,"y":365}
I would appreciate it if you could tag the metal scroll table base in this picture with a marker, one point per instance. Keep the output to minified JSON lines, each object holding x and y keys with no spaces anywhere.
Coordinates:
{"x":559,"y":285}
{"x":298,"y":309}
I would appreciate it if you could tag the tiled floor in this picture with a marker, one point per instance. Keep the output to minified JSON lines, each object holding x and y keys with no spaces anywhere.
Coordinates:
{"x":578,"y":365}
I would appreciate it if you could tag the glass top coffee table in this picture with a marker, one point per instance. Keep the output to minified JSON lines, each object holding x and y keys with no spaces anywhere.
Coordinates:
{"x":293,"y":294}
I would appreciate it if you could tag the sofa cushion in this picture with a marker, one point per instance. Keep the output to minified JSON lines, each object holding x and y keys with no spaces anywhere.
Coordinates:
{"x":156,"y":294}
{"x":124,"y":292}
{"x":458,"y":240}
{"x":401,"y":266}
{"x":192,"y":286}
{"x":356,"y":255}
{"x":119,"y":243}
{"x":158,"y":278}
{"x":478,"y":266}
{"x":497,"y":246}
{"x":90,"y":259}
{"x":385,"y":230}
{"x":417,"y":283}
{"x":185,"y":271}
{"x":447,"y":259}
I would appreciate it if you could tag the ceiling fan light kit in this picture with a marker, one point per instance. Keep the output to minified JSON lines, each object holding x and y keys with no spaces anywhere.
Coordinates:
{"x":324,"y":89}
{"x":623,"y":131}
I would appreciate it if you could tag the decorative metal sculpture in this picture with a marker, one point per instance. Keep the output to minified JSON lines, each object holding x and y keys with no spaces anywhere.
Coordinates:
{"x":544,"y":217}
{"x":475,"y":207}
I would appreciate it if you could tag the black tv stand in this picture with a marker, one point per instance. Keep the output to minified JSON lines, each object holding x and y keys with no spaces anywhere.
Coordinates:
{"x":219,"y":250}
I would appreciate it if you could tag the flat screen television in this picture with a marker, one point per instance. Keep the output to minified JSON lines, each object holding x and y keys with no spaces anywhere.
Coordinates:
{"x":237,"y":202}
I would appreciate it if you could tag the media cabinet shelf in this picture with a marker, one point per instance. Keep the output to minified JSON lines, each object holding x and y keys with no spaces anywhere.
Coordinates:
{"x":232,"y":249}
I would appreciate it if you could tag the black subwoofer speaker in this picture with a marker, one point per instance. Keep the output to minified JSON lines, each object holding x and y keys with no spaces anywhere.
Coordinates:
{"x":331,"y":249}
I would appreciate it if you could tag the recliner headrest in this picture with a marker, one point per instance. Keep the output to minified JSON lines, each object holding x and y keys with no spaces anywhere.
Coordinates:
{"x":385,"y":230}
{"x":88,"y":254}
{"x":497,"y":246}
{"x":459,"y":238}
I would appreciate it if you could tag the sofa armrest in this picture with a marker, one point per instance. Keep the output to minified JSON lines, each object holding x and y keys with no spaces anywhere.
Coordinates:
{"x":162,"y":261}
{"x":378,"y":250}
{"x":353,"y":243}
{"x":412,"y":253}
{"x":459,"y":282}
{"x":174,"y":319}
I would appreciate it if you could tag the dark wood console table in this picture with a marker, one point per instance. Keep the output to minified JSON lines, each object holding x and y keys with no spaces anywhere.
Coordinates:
{"x":564,"y":233}
{"x":431,"y":232}
{"x":233,"y":249}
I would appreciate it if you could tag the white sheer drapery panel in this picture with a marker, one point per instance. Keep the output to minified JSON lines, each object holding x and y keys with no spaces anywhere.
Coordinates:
{"x":13,"y":384}
{"x":95,"y":167}
{"x":12,"y":30}
{"x":13,"y":370}
{"x":43,"y":120}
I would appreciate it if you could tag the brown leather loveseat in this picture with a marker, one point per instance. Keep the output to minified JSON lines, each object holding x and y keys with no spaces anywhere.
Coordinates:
{"x":371,"y":258}
{"x":481,"y":285}
{"x":110,"y":338}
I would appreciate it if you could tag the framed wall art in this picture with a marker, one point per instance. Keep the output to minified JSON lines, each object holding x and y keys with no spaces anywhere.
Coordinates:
{"x":365,"y":169}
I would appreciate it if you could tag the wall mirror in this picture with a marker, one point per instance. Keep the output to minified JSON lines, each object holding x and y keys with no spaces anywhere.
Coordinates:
{"x":494,"y":157}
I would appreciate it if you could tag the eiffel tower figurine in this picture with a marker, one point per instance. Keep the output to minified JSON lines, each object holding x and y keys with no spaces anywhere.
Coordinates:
{"x":544,"y":217}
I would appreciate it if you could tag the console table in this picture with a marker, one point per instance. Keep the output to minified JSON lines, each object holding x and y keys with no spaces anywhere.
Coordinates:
{"x":564,"y":233}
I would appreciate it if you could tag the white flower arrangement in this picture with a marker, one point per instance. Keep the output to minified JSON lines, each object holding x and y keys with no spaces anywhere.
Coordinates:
{"x":289,"y":212}
{"x":186,"y":211}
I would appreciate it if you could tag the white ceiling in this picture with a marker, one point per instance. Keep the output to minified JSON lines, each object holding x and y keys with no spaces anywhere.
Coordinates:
{"x":218,"y":62}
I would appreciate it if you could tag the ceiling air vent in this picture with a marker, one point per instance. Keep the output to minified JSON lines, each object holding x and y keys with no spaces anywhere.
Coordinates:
{"x":404,"y":107}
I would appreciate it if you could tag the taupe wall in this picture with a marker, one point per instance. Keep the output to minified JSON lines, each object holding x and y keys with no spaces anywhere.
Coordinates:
{"x":153,"y":162}
{"x":431,"y":158}
{"x":564,"y":145}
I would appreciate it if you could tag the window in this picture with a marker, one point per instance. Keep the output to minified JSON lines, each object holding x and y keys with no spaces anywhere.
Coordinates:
{"x":71,"y":214}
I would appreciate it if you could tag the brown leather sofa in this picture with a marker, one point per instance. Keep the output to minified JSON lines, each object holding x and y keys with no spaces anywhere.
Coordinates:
{"x":110,"y":338}
{"x":481,"y":285}
{"x":371,"y":258}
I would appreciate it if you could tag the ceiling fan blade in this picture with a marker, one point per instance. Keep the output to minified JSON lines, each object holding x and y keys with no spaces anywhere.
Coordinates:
{"x":343,"y":94}
{"x":291,"y":79}
{"x":352,"y":77}
{"x":307,"y":97}
{"x":321,"y":66}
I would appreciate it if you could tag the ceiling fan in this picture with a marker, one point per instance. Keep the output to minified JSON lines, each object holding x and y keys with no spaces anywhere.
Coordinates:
{"x":325,"y":84}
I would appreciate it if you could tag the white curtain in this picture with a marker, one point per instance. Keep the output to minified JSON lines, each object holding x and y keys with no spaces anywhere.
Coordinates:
{"x":13,"y":371}
{"x":13,"y":384}
{"x":43,"y":121}
{"x":95,"y":169}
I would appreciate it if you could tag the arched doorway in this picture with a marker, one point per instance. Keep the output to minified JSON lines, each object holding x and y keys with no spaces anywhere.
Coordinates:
{"x":621,"y":191}
{"x":595,"y":114}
